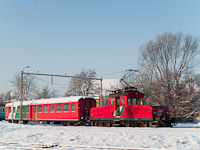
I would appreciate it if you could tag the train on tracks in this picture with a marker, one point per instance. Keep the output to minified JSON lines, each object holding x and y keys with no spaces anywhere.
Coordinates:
{"x":2,"y":111}
{"x":126,"y":108}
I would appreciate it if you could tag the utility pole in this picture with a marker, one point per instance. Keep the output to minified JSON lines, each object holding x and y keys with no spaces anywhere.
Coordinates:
{"x":101,"y":97}
{"x":21,"y":97}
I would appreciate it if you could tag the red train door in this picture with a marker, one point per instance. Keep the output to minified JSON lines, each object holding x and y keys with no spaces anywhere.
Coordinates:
{"x":35,"y":113}
{"x":117,"y":103}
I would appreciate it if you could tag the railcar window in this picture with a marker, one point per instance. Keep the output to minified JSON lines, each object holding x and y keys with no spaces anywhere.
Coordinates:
{"x":66,"y":107}
{"x":58,"y":108}
{"x":14,"y":109}
{"x":52,"y":109}
{"x":129,"y":101}
{"x":18,"y":109}
{"x":39,"y":108}
{"x":134,"y":101}
{"x":23,"y":109}
{"x":3,"y":109}
{"x":9,"y":109}
{"x":118,"y":101}
{"x":140,"y":101}
{"x":122,"y":100}
{"x":112,"y":101}
{"x":73,"y":107}
{"x":27,"y":109}
{"x":46,"y":107}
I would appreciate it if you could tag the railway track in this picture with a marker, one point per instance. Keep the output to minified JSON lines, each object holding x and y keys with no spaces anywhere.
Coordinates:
{"x":42,"y":146}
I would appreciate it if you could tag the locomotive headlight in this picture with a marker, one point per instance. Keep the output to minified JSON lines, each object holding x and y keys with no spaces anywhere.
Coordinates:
{"x":154,"y":112}
{"x":167,"y":112}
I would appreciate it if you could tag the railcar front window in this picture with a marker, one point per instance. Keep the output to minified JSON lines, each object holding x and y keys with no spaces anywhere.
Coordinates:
{"x":134,"y":101}
{"x":27,"y":109}
{"x":112,"y":101}
{"x":45,"y":108}
{"x":117,"y":100}
{"x":52,"y":109}
{"x":73,"y":107}
{"x":66,"y":107}
{"x":58,"y":108}
{"x":129,"y":101}
{"x":122,"y":100}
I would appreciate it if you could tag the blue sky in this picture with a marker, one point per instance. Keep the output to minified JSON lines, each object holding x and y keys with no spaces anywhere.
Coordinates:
{"x":104,"y":35}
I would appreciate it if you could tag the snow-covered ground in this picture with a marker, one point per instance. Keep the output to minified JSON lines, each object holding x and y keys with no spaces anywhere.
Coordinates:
{"x":182,"y":136}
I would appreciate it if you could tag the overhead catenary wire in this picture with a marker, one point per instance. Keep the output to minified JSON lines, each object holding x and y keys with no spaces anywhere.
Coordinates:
{"x":22,"y":12}
{"x":48,"y":81}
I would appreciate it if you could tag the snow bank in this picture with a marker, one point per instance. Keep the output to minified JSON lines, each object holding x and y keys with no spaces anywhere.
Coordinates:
{"x":150,"y":138}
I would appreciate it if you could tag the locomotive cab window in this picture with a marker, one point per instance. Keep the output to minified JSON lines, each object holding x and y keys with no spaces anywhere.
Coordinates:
{"x":134,"y":101}
{"x":118,"y":101}
{"x":73,"y":107}
{"x":129,"y":101}
{"x":66,"y":107}
{"x":122,"y":100}
{"x":112,"y":101}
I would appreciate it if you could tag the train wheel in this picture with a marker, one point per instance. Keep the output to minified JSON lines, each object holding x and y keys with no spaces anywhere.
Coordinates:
{"x":91,"y":123}
{"x":127,"y":124}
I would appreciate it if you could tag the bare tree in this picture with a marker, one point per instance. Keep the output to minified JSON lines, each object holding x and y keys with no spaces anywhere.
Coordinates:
{"x":2,"y":97}
{"x":29,"y":85}
{"x":165,"y":62}
{"x":86,"y":87}
{"x":46,"y":93}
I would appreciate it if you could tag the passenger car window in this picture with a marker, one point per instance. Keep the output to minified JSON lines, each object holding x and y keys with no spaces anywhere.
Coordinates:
{"x":39,"y":108}
{"x":52,"y":109}
{"x":66,"y":107}
{"x":58,"y":108}
{"x":73,"y":107}
{"x":46,"y":108}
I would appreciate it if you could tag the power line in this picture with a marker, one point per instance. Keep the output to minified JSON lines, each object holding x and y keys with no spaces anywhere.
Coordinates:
{"x":36,"y":9}
{"x":48,"y":81}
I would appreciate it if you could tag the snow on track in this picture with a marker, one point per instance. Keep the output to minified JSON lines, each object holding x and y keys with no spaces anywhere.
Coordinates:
{"x":81,"y":137}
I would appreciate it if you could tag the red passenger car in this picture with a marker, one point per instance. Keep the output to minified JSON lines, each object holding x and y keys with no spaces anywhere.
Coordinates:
{"x":66,"y":110}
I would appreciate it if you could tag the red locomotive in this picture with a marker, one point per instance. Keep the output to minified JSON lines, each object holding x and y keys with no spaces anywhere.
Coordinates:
{"x":126,"y":108}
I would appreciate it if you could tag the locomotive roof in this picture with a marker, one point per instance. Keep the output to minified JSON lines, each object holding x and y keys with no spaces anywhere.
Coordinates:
{"x":50,"y":100}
